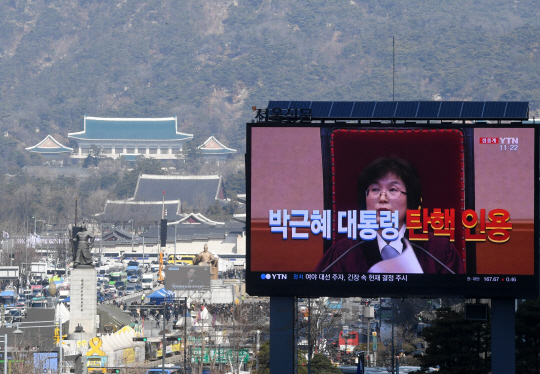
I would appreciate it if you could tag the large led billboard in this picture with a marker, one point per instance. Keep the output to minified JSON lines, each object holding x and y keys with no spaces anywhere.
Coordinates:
{"x":187,"y":277}
{"x":368,"y":210}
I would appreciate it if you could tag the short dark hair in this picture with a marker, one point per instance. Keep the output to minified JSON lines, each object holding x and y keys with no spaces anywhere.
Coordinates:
{"x":398,"y":166}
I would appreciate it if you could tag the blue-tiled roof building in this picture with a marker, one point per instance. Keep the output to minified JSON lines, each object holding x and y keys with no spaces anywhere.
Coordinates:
{"x":148,"y":137}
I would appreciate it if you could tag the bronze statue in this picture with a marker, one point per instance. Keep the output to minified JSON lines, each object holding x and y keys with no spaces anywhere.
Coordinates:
{"x":207,"y":258}
{"x":81,"y":243}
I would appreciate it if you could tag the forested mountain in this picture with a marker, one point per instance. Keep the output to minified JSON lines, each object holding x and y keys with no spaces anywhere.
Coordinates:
{"x":209,"y":61}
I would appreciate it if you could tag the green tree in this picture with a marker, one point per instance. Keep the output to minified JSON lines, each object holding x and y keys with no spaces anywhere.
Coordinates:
{"x":193,"y":160}
{"x":263,"y":357}
{"x":457,"y":345}
{"x":95,"y":155}
{"x":90,"y":161}
{"x":528,"y":337}
{"x":217,"y":213}
{"x":235,"y":183}
{"x":320,"y":364}
{"x":126,"y":186}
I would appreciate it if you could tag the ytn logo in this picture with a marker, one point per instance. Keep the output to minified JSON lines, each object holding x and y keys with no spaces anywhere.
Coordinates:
{"x":273,"y":276}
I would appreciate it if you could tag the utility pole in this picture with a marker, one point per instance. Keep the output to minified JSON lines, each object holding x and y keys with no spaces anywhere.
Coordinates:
{"x":185,"y":332}
{"x":100,"y":242}
{"x":164,"y":350}
{"x":368,"y":314}
{"x":393,"y":352}
{"x":309,"y":336}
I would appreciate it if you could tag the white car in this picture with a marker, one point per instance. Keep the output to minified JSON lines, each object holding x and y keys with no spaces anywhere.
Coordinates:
{"x":134,"y":279}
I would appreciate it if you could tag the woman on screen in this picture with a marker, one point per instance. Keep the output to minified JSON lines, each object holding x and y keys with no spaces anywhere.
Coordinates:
{"x":391,"y":184}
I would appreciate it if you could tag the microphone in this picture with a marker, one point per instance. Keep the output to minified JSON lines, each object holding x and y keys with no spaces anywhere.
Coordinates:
{"x":405,"y":241}
{"x":340,"y":257}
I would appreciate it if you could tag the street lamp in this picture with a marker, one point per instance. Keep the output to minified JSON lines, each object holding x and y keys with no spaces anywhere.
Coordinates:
{"x":5,"y":353}
{"x":132,"y":234}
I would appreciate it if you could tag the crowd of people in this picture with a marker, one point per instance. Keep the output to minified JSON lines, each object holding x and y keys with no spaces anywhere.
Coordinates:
{"x":222,"y":313}
{"x":232,"y":274}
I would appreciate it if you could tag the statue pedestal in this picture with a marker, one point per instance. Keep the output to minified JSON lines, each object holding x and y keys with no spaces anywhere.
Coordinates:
{"x":83,"y":300}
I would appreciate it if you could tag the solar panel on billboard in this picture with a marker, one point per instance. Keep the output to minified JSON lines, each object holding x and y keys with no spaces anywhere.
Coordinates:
{"x":321,"y":109}
{"x":300,"y":105}
{"x":472,"y":109}
{"x":406,"y":109}
{"x":494,"y":109}
{"x":363,"y":109}
{"x":342,"y":109}
{"x":428,"y":109}
{"x":450,"y":109}
{"x":516,"y":109}
{"x":278,"y":104}
{"x":384,"y":109}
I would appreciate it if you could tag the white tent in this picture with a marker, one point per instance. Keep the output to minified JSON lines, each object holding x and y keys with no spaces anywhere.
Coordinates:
{"x":61,"y":313}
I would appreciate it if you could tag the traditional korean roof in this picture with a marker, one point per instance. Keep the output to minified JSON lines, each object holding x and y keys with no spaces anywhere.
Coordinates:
{"x":193,"y":191}
{"x":117,"y":235}
{"x":199,"y":231}
{"x":212,"y":146}
{"x":240,"y":217}
{"x":123,"y":210}
{"x":49,"y":145}
{"x":150,"y":129}
{"x":195,"y":218}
